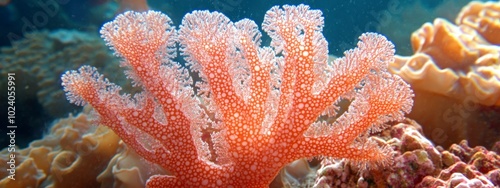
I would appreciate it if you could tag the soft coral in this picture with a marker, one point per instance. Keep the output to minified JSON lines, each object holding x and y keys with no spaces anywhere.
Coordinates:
{"x":265,"y":106}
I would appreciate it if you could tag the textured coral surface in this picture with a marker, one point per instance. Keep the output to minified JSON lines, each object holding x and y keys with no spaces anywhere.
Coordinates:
{"x":418,"y":163}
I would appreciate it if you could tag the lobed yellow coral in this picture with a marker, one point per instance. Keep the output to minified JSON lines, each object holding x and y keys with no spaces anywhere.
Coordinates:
{"x":455,"y":73}
{"x":454,"y":61}
{"x":484,"y":18}
{"x":71,"y":155}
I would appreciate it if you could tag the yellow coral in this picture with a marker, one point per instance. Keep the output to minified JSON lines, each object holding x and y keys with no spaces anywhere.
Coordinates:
{"x":455,"y":73}
{"x":74,"y":153}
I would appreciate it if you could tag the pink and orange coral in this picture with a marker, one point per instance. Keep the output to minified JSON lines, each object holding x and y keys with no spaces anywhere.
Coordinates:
{"x":262,"y":107}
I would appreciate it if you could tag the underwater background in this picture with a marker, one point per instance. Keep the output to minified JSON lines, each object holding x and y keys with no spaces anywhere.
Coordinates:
{"x":41,"y":39}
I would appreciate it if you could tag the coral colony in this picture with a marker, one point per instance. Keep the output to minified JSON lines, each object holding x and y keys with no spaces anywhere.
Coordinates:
{"x":261,"y":107}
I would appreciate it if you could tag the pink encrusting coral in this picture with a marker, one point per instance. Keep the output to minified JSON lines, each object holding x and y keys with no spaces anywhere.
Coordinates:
{"x":263,"y":107}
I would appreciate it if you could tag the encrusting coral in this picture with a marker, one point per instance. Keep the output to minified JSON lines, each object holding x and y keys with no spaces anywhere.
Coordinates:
{"x":418,"y":163}
{"x":261,"y":107}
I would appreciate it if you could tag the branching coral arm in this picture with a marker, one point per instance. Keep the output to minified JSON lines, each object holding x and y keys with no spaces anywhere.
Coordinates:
{"x":373,"y":53}
{"x":210,"y":41}
{"x":146,"y":41}
{"x":206,"y":40}
{"x":294,"y":32}
{"x":384,"y":98}
{"x":88,"y":86}
{"x":258,"y":61}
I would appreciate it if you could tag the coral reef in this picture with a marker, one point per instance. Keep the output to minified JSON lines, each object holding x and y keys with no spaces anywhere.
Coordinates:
{"x":255,"y":109}
{"x":418,"y":163}
{"x":75,"y":153}
{"x":71,"y":155}
{"x":43,"y":56}
{"x":455,"y":73}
